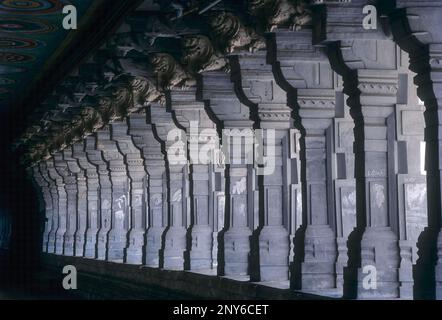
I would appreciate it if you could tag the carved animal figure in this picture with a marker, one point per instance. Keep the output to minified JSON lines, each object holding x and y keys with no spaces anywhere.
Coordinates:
{"x":200,"y":55}
{"x":169,"y":73}
{"x":232,"y":34}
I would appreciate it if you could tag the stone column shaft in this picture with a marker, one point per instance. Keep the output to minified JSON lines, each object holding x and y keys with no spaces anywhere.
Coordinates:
{"x":62,"y":207}
{"x":44,"y":186}
{"x":174,"y":146}
{"x":104,"y":200}
{"x":239,"y":193}
{"x":154,"y":162}
{"x":201,"y":136}
{"x":255,"y":78}
{"x":136,"y":174}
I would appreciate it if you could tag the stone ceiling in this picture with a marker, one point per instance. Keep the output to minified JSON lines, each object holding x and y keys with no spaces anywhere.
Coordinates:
{"x":30,"y":33}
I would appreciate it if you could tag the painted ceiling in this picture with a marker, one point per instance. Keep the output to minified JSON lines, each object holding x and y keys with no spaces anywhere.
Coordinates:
{"x":30,"y":32}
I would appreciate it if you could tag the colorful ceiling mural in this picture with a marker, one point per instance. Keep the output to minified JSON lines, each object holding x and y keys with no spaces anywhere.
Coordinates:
{"x":30,"y":33}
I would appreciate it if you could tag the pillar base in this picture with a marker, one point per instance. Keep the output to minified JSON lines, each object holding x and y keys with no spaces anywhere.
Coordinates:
{"x":91,"y":242}
{"x":387,"y":286}
{"x":69,"y":244}
{"x":341,"y":262}
{"x":406,"y":281}
{"x":79,"y":249}
{"x":102,"y":245}
{"x":116,"y":245}
{"x":380,"y":261}
{"x":51,"y":249}
{"x":274,"y":250}
{"x":153,"y":246}
{"x":134,"y":255}
{"x":51,"y":245}
{"x":59,"y":247}
{"x":175,"y":246}
{"x":44,"y":246}
{"x":201,"y":250}
{"x":79,"y":244}
{"x":318,"y":268}
{"x":134,"y":252}
{"x":236,"y":251}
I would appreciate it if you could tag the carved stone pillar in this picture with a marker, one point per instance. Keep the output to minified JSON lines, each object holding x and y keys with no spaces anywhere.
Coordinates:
{"x":70,"y":182}
{"x":412,"y":190}
{"x":239,"y":187}
{"x":62,"y":206}
{"x":368,"y":62}
{"x":416,"y":28}
{"x":45,"y":169}
{"x":255,"y":79}
{"x":154,"y":161}
{"x":117,"y":236}
{"x":44,"y":186}
{"x":81,"y":221}
{"x":310,"y":83}
{"x":92,"y":198}
{"x":105,"y":195}
{"x":344,"y":182}
{"x":174,"y":145}
{"x":137,"y":175}
{"x":379,"y":242}
{"x":202,"y":139}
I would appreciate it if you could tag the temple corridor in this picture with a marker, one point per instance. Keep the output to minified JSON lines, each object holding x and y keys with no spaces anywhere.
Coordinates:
{"x":253,"y":149}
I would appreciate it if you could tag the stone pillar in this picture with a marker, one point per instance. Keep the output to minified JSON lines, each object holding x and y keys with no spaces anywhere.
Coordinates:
{"x":344,"y":182}
{"x":154,"y":161}
{"x":295,"y":193}
{"x":202,"y":139}
{"x":92,"y":198}
{"x":379,"y":242}
{"x":368,"y":62}
{"x":137,"y":175}
{"x":174,"y":145}
{"x":61,"y":204}
{"x":46,"y":195}
{"x":410,"y":180}
{"x":81,"y":208}
{"x":237,"y":127}
{"x":49,"y":176}
{"x":306,"y":74}
{"x":255,"y":79}
{"x":117,"y":236}
{"x":416,"y":28}
{"x":105,"y":195}
{"x":70,"y":183}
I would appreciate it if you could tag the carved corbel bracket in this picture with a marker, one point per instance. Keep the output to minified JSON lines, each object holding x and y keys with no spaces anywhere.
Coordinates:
{"x":170,"y":74}
{"x":200,"y":55}
{"x":232,"y":35}
{"x":294,"y":14}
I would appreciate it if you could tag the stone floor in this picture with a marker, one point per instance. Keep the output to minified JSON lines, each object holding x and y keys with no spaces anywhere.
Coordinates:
{"x":109,"y":280}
